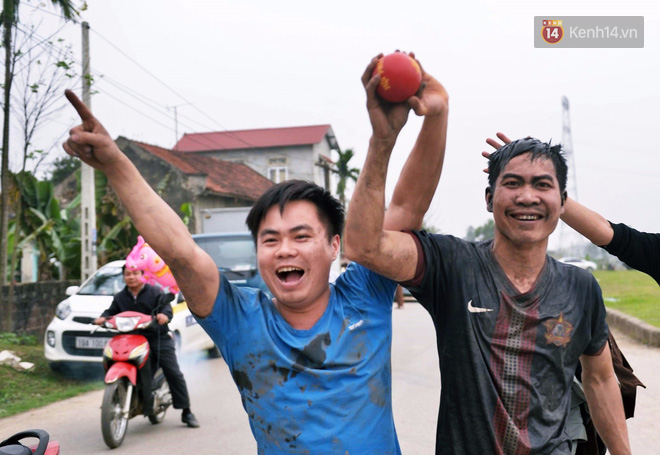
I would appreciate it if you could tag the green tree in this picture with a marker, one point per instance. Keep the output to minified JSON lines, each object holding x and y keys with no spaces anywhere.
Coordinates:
{"x":430,"y":228}
{"x":39,"y":81}
{"x":345,"y":173}
{"x":481,"y":233}
{"x":9,"y":19}
{"x":40,"y":221}
{"x":115,"y":230}
{"x":63,"y":167}
{"x":45,"y":69}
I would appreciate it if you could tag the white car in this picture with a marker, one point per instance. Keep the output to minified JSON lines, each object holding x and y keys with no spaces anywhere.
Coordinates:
{"x":69,"y":341}
{"x":579,"y":262}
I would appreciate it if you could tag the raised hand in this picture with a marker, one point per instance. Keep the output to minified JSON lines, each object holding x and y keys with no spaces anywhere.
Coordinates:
{"x":432,"y":98}
{"x":90,"y":141}
{"x":387,"y":119}
{"x":496,"y":145}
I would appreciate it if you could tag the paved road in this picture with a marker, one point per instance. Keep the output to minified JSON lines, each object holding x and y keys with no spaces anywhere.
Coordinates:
{"x":75,"y":423}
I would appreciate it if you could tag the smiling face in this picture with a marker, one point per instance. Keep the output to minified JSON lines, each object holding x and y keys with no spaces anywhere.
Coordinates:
{"x":295,"y":255}
{"x":526,"y":202}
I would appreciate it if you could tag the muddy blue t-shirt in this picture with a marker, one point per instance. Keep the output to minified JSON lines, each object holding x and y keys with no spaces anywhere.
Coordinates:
{"x":507,"y":360}
{"x":326,"y":390}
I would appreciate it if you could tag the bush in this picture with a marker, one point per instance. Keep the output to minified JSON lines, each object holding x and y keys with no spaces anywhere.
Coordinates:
{"x":19,"y":340}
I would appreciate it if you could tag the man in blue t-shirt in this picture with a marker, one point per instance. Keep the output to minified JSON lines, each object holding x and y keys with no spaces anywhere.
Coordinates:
{"x":313,"y":364}
{"x":314,"y":374}
{"x":511,"y":322}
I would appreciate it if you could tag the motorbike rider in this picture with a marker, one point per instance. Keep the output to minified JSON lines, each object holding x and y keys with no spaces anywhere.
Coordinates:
{"x":148,"y":299}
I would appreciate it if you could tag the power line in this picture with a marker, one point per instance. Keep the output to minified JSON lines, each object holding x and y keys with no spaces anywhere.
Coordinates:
{"x":48,"y":46}
{"x":170,"y":89}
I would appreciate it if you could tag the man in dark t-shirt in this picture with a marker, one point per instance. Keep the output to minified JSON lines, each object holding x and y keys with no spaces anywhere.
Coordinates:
{"x":511,"y":322}
{"x":507,"y":357}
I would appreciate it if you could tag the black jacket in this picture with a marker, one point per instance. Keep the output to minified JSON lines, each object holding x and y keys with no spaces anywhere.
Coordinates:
{"x":150,"y":300}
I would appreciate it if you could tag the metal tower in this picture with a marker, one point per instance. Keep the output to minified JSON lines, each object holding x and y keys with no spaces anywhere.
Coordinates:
{"x":568,"y":238}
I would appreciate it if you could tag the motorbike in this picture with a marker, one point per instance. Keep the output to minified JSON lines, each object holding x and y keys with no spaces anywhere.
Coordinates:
{"x":124,"y":359}
{"x":12,"y":445}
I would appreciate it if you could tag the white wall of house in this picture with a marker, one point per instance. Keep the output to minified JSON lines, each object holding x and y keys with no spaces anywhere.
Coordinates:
{"x":29,"y":263}
{"x":283,"y":163}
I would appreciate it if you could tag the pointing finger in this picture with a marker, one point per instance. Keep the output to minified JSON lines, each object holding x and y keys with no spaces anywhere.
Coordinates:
{"x":83,"y":111}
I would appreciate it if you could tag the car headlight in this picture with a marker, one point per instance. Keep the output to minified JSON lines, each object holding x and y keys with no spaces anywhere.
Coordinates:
{"x":63,"y":310}
{"x":50,"y":338}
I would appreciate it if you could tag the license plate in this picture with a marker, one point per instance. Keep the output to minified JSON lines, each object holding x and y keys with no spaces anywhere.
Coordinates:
{"x":90,"y":343}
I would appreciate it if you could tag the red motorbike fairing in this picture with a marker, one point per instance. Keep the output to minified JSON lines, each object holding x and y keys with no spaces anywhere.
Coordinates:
{"x":123,"y":345}
{"x":119,"y":370}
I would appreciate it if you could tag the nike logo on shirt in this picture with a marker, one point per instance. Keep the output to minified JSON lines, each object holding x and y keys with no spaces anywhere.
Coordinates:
{"x":473,"y":309}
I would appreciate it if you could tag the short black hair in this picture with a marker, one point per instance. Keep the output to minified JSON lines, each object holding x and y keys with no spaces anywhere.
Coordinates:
{"x":500,"y":158}
{"x":330,"y":210}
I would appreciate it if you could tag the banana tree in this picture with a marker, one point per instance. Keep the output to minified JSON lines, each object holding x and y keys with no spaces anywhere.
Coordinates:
{"x":39,"y":219}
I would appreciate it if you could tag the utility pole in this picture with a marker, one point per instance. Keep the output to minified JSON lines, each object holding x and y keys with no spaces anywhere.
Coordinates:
{"x":88,"y":200}
{"x":176,"y":127}
{"x":176,"y":123}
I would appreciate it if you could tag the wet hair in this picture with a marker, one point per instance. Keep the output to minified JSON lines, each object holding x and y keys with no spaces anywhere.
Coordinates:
{"x":330,"y":211}
{"x":498,"y":160}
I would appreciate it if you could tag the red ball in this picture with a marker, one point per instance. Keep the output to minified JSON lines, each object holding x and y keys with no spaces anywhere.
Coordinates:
{"x":400,"y":77}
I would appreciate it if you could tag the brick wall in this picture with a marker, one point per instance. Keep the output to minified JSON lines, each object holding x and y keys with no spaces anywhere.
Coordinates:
{"x":34,"y":305}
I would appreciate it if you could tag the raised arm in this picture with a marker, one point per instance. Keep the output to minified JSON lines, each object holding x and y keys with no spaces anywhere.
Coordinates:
{"x":590,"y":224}
{"x":194,"y":270}
{"x":420,"y":175}
{"x":604,"y":398}
{"x":390,"y":252}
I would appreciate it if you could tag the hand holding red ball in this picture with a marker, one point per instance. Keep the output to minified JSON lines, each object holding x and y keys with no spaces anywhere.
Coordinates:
{"x":400,"y":77}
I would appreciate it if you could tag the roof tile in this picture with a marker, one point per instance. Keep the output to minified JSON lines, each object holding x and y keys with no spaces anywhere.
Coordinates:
{"x":222,"y":177}
{"x":249,"y":139}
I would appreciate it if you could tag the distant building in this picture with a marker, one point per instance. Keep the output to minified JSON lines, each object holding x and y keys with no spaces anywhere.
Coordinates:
{"x":302,"y":152}
{"x":202,"y":181}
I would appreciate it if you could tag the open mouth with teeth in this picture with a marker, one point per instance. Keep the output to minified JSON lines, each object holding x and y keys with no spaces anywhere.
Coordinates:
{"x":289,"y":274}
{"x":527,"y":217}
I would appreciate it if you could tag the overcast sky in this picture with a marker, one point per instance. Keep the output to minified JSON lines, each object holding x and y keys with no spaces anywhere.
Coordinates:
{"x":264,"y":64}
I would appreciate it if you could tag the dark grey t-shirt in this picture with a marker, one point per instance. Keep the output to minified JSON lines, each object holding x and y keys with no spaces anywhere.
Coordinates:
{"x":507,"y":360}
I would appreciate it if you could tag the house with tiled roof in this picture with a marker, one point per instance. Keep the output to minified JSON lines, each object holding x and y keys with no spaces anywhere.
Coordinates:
{"x":202,"y":181}
{"x":302,"y":152}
